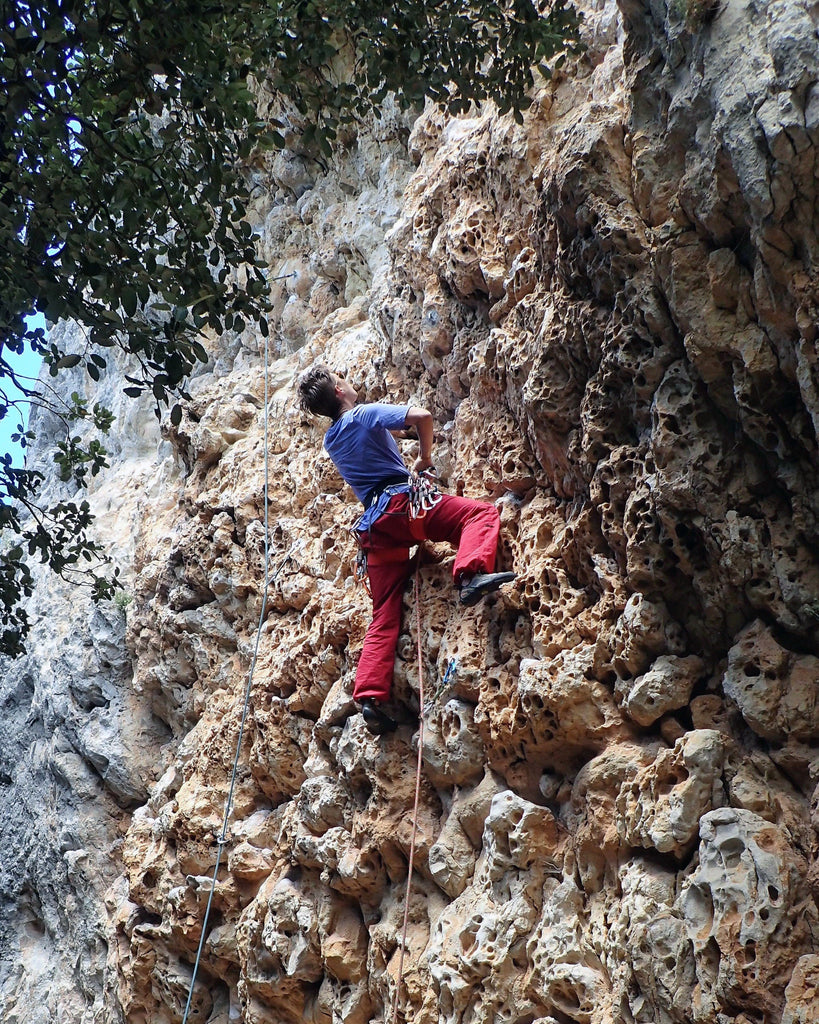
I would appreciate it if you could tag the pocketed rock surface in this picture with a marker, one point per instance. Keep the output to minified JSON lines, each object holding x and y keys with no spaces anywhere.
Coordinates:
{"x":611,"y":311}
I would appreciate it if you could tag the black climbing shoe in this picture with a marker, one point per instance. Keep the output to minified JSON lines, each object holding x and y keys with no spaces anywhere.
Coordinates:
{"x":476,"y":587}
{"x":376,"y":720}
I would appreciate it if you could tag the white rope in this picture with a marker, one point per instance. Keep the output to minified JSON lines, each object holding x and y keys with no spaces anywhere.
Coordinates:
{"x":228,"y":803}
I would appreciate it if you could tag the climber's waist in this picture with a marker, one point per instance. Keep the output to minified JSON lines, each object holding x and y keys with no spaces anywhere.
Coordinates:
{"x":392,"y":485}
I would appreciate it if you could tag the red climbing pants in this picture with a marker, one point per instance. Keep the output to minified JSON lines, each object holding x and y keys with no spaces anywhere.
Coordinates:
{"x":473,"y":526}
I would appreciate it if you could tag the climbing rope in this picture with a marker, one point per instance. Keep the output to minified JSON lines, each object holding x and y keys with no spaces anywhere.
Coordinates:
{"x":222,"y":839}
{"x":417,"y":787}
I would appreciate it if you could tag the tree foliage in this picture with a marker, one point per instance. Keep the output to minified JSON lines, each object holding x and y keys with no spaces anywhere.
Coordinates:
{"x":125,"y":126}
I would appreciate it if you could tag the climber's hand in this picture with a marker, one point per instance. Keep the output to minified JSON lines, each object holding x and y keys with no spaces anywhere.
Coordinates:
{"x":420,"y":465}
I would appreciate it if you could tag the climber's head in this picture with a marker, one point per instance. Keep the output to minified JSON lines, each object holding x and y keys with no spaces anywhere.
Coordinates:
{"x":324,"y":393}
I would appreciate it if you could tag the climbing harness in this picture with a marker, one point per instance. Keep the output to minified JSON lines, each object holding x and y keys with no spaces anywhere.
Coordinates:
{"x":417,"y":789}
{"x":222,"y":839}
{"x":423,"y":495}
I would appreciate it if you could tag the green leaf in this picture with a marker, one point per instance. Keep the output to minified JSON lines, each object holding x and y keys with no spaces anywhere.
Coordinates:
{"x":66,"y":362}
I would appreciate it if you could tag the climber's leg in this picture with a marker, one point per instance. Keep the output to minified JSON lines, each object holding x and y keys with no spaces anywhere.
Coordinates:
{"x":474,"y":526}
{"x":375,"y":667}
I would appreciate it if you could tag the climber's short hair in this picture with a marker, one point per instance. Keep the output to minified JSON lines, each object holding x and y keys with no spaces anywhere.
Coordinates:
{"x":317,"y":392}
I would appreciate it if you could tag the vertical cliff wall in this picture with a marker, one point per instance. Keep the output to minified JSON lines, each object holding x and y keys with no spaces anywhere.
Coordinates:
{"x":611,"y":312}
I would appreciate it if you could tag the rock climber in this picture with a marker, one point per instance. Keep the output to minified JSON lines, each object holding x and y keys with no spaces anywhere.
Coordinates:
{"x":361,"y":445}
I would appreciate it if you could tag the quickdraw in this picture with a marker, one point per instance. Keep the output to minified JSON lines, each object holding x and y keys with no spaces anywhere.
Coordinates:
{"x":423,"y":494}
{"x":360,"y":570}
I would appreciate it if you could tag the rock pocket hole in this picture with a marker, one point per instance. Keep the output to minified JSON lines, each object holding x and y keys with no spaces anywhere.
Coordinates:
{"x":731,"y":852}
{"x":566,"y":998}
{"x":711,"y":957}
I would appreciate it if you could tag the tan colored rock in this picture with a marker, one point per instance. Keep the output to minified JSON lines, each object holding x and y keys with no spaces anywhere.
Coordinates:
{"x":477,"y":953}
{"x":250,"y":863}
{"x":757,"y":784}
{"x":569,"y":714}
{"x":710,"y":711}
{"x":611,"y":312}
{"x":643,"y":631}
{"x":659,"y":974}
{"x":453,"y":752}
{"x":802,"y":993}
{"x":775,"y":689}
{"x":453,"y":856}
{"x":662,"y":806}
{"x":747,"y":911}
{"x":665,"y":687}
{"x":593,"y":819}
{"x":567,"y":973}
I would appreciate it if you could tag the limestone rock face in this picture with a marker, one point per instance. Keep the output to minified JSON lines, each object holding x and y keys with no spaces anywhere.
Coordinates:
{"x":611,"y":312}
{"x":774,"y":688}
{"x":744,"y":908}
{"x":664,"y":804}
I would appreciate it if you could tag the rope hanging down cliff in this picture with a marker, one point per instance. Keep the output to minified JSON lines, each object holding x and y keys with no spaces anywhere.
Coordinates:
{"x":222,"y":839}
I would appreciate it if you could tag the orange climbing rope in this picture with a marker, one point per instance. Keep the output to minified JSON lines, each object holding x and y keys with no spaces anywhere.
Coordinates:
{"x":417,"y":787}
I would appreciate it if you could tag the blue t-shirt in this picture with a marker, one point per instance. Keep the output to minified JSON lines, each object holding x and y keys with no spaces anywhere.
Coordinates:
{"x":362,"y":448}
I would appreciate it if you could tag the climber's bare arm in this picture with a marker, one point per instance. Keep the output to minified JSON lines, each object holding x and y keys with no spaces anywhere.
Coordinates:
{"x":421,"y":420}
